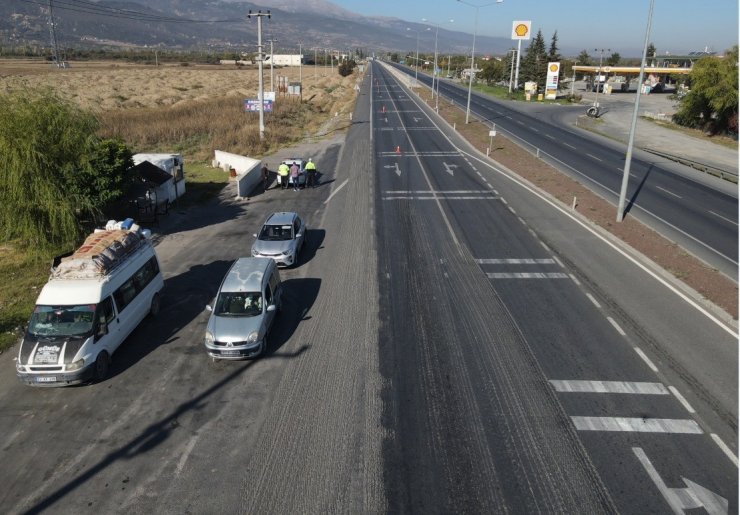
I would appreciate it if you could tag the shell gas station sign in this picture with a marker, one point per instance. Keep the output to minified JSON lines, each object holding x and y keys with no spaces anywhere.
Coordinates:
{"x":521,"y":29}
{"x":551,"y":84}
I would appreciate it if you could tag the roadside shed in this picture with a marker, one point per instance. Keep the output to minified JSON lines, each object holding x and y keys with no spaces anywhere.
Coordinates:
{"x":173,"y":165}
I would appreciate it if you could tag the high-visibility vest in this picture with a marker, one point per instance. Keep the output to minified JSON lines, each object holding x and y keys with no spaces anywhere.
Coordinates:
{"x":310,"y":165}
{"x":283,"y":169}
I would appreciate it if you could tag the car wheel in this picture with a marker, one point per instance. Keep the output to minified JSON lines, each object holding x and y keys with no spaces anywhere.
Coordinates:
{"x":102,"y":364}
{"x":156,"y":304}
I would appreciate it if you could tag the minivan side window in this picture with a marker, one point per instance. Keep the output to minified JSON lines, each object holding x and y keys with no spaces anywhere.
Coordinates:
{"x":268,"y":295}
{"x":104,"y":316}
{"x":136,"y":284}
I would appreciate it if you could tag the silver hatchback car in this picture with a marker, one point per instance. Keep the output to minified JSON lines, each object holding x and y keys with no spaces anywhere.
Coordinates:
{"x":281,"y":238}
{"x":244,"y":310}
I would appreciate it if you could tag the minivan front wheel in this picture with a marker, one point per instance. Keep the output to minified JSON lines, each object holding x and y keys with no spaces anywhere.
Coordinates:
{"x":102,"y":364}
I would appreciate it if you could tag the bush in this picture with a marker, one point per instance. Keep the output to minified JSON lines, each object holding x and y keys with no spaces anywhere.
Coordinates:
{"x":346,"y":68}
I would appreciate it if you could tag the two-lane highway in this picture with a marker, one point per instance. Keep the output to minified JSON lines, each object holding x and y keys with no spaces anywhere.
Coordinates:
{"x":700,"y":218}
{"x":502,"y":363}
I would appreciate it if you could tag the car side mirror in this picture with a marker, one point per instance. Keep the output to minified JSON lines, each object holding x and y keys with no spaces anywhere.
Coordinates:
{"x":254,"y":235}
{"x":271,"y":308}
{"x":209,"y":308}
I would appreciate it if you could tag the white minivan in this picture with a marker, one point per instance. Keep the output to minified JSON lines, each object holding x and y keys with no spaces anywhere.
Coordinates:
{"x":244,"y":310}
{"x":93,"y":300}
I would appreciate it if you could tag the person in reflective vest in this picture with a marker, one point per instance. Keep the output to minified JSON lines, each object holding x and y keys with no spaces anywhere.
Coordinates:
{"x":283,"y":172}
{"x":311,"y":172}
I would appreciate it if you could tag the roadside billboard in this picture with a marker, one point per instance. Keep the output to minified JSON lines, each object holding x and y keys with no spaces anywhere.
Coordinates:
{"x":252,"y":105}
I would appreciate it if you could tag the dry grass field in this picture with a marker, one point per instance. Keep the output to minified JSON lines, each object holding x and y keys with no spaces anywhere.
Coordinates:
{"x":189,"y":109}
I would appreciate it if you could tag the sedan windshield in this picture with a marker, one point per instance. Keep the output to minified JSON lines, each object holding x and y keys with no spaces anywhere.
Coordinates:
{"x":276,"y":233}
{"x":238,"y":304}
{"x":62,"y":320}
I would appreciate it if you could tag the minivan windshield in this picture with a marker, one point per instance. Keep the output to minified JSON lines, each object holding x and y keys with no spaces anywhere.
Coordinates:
{"x":276,"y":232}
{"x":62,"y":320}
{"x":238,"y":304}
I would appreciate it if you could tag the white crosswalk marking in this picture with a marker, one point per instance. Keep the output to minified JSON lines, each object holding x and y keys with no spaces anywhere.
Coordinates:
{"x":531,"y":275}
{"x":525,"y":261}
{"x":577,"y":386}
{"x":637,"y":425}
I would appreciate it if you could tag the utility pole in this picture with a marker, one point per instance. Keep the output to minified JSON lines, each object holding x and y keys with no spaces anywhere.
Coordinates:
{"x":272,"y":59}
{"x":598,"y":78}
{"x":260,"y":59}
{"x":53,"y":35}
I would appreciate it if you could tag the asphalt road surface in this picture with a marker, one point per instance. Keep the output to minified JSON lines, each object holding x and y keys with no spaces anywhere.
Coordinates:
{"x":701,"y":218}
{"x":450,"y":342}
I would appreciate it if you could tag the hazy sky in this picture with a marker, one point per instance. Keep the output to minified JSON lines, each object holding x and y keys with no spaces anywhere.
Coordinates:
{"x":679,"y":26}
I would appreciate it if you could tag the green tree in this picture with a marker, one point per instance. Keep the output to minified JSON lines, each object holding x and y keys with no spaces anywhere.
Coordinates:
{"x":712,"y":103}
{"x":613,"y":59}
{"x":51,"y":162}
{"x":650,"y":56}
{"x":102,"y":176}
{"x":534,"y":64}
{"x":583,"y":58}
{"x":553,"y":54}
{"x":493,"y":71}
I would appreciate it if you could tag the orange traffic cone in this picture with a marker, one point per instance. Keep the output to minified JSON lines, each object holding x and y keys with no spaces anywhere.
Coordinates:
{"x":398,"y":150}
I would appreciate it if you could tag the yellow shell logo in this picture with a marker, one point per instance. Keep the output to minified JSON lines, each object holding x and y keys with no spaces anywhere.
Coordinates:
{"x":553,"y":67}
{"x":521,"y":30}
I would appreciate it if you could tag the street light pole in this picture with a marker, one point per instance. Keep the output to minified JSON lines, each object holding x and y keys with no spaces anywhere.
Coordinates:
{"x":260,"y":59}
{"x":434,"y":72}
{"x":598,"y":76}
{"x":472,"y":53}
{"x":416,"y":63}
{"x":630,"y":144}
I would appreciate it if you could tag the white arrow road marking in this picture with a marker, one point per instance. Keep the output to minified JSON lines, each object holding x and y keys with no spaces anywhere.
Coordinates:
{"x":416,"y":120}
{"x":449,"y":168}
{"x":680,"y":499}
{"x":394,"y":165}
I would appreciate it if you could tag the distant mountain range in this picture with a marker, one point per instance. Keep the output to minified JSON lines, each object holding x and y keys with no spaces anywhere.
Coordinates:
{"x":164,"y":23}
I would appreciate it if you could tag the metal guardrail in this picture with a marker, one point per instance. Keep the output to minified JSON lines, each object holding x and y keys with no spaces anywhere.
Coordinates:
{"x":702,"y":167}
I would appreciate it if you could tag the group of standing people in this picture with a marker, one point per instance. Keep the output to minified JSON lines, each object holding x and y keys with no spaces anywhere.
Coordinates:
{"x":293,"y":173}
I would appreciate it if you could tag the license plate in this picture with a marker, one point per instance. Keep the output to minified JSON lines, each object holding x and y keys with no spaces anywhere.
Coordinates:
{"x":46,"y":379}
{"x":230,"y":353}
